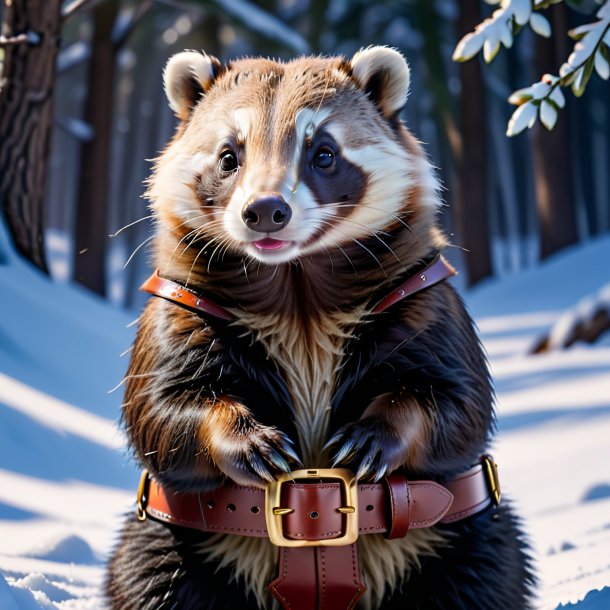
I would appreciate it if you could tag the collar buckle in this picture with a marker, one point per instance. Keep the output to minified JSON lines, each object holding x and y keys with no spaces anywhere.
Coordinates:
{"x":142,"y":497}
{"x":490,"y":469}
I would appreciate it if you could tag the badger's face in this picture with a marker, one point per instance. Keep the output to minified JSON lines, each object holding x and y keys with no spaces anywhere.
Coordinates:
{"x":280,"y":160}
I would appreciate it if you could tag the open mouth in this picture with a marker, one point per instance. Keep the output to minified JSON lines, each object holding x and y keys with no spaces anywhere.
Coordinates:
{"x":269,"y":243}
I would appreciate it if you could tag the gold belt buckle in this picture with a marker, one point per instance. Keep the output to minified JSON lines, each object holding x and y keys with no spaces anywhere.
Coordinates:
{"x":274,"y":510}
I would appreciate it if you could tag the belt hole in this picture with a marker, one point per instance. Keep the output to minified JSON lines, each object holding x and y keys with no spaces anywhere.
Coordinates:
{"x":230,"y":507}
{"x":211,"y":504}
{"x":314,"y":514}
{"x":255,"y":510}
{"x":369,"y":507}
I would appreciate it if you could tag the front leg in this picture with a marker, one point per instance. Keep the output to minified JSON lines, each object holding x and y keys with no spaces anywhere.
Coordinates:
{"x":393,"y":432}
{"x":183,"y":428}
{"x":196,"y":441}
{"x":242,"y":448}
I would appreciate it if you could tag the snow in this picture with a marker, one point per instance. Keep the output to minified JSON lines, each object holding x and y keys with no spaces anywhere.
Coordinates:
{"x":66,"y":478}
{"x":584,"y":311}
{"x":553,"y":423}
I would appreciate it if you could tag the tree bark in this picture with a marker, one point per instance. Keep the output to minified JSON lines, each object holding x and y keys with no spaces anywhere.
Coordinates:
{"x":551,"y":152}
{"x":471,"y":210}
{"x":93,"y":191}
{"x":26,"y":120}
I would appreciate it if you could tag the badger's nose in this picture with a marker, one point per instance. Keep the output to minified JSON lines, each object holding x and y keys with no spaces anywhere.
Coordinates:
{"x":266,"y":212}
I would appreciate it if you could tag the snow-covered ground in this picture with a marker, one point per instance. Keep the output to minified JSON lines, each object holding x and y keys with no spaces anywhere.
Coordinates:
{"x":65,"y":479}
{"x":553,"y":445}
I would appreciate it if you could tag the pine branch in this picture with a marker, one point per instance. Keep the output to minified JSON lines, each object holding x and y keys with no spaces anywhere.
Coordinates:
{"x":543,"y":99}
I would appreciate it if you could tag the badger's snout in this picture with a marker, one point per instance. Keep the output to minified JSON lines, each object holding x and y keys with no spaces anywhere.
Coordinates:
{"x":266,"y":212}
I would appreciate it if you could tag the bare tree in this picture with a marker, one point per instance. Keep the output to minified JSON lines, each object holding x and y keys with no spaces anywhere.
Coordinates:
{"x":94,"y":180}
{"x":471,"y":210}
{"x":553,"y":176}
{"x":30,"y":36}
{"x":92,"y":201}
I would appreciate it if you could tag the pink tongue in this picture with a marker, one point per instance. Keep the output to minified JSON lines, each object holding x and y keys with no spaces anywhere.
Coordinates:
{"x":269,"y":243}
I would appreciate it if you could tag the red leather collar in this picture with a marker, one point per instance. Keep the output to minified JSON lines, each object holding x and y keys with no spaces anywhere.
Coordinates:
{"x":179,"y":294}
{"x":437,"y":271}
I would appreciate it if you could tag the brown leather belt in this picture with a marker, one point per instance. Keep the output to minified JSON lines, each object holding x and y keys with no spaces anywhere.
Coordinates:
{"x":316,"y":515}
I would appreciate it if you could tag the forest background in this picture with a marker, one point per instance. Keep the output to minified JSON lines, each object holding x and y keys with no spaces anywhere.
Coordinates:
{"x":92,"y":100}
{"x":82,"y":113}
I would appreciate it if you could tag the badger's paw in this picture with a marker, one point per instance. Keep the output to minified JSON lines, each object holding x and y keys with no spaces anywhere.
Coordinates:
{"x":255,"y":457}
{"x":368,"y":447}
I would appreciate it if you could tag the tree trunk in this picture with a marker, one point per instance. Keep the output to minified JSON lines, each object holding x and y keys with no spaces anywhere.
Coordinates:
{"x":551,"y":151}
{"x":471,"y":210}
{"x":93,"y":191}
{"x":26,"y":120}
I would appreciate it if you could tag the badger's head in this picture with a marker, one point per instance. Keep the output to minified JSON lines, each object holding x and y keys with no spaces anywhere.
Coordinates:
{"x":279,"y":161}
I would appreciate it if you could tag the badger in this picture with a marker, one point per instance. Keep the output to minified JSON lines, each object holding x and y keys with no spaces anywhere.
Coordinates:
{"x":294,"y":199}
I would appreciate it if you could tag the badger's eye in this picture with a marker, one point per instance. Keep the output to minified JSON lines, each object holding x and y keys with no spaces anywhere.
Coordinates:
{"x":228,"y":161}
{"x":324,"y":158}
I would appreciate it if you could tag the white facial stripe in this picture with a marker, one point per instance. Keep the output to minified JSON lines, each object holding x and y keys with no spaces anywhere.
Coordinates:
{"x":173,"y":186}
{"x":244,"y":119}
{"x":306,"y":123}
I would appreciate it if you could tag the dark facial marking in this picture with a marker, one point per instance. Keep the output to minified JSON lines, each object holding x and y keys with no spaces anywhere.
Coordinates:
{"x":217,"y":180}
{"x":330,"y":176}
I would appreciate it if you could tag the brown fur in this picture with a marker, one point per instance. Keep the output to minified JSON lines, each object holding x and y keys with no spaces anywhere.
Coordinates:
{"x":304,"y":374}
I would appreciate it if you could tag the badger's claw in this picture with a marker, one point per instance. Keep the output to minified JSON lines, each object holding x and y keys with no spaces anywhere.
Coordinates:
{"x":369,"y":448}
{"x":256,"y":458}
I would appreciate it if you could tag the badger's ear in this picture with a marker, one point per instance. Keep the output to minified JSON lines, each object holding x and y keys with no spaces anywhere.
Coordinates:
{"x":384,"y":74}
{"x":187,"y":76}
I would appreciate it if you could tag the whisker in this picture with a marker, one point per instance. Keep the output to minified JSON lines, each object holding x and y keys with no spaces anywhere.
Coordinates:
{"x":131,"y":224}
{"x":326,"y":83}
{"x":201,"y":251}
{"x":220,"y":244}
{"x":372,"y":233}
{"x":138,"y":248}
{"x":356,"y":242}
{"x":195,"y":234}
{"x":337,"y":245}
{"x":343,"y":204}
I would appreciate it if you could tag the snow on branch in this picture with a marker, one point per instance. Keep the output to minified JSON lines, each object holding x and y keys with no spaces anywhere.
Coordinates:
{"x":587,"y":321}
{"x":501,"y":28}
{"x":31,"y":38}
{"x":543,"y":99}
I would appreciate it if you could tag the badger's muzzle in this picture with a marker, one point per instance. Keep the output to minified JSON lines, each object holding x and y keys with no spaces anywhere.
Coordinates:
{"x":266,"y":212}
